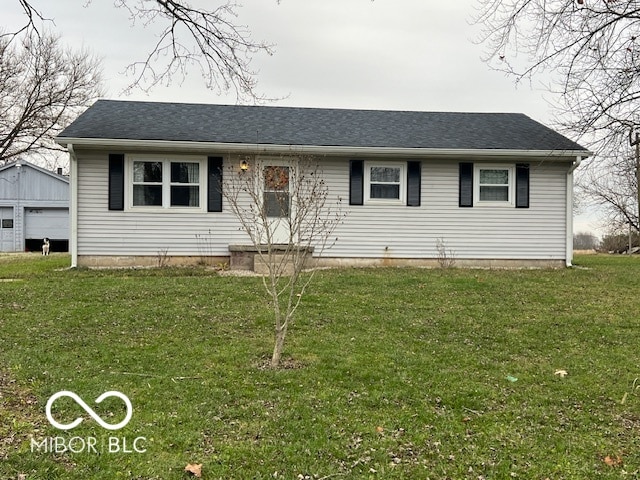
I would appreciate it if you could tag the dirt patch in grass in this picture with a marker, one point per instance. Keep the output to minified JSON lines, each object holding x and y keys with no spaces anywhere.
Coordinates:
{"x":285,"y":364}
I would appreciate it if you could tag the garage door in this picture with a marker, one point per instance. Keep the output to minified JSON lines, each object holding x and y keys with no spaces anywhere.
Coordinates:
{"x":6,"y":229}
{"x":46,"y":222}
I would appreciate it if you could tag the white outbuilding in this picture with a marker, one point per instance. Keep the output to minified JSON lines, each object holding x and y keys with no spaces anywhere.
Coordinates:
{"x":34,"y":204}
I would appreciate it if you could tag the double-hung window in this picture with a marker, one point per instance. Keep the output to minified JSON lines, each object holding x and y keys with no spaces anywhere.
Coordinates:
{"x":147,"y":184}
{"x":167,"y":183}
{"x":494,"y":185}
{"x":185,"y":184}
{"x":385,"y":182}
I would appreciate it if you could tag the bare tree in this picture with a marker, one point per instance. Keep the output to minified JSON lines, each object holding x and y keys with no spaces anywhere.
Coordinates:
{"x":590,"y":50}
{"x":210,"y":40}
{"x":284,"y":207}
{"x":585,"y":241}
{"x":615,"y":190}
{"x":43,"y":86}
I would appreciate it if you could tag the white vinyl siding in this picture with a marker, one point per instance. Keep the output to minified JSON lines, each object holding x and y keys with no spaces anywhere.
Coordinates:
{"x":144,"y":232}
{"x":368,"y":231}
{"x":490,"y":232}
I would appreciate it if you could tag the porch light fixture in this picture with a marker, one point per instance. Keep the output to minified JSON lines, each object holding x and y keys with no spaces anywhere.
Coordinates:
{"x":244,"y":166}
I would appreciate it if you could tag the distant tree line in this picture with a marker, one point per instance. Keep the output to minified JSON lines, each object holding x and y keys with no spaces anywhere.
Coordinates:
{"x":616,"y":241}
{"x":585,"y":241}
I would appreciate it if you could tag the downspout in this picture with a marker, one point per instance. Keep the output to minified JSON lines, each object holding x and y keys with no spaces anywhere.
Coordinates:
{"x":569,"y":253}
{"x":73,"y":205}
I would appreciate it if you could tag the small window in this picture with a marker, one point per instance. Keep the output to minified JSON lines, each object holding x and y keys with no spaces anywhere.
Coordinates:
{"x":385,"y":182}
{"x":7,"y":223}
{"x":494,"y":185}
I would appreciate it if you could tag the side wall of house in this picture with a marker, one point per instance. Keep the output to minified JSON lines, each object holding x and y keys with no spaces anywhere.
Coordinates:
{"x":368,"y":232}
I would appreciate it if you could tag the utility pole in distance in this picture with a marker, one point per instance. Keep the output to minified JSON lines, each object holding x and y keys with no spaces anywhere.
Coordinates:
{"x":635,"y":142}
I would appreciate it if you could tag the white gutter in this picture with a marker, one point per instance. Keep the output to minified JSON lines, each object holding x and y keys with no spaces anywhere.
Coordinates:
{"x":569,"y":252}
{"x":314,"y":149}
{"x":73,"y":205}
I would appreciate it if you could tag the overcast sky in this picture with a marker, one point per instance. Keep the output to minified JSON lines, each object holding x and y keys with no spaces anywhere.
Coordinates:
{"x":382,"y":54}
{"x":387,"y":54}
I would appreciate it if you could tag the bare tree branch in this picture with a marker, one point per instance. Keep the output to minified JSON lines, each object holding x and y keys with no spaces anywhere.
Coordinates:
{"x":43,"y":87}
{"x":34,"y":18}
{"x":210,"y":40}
{"x":614,"y":190}
{"x":591,"y":50}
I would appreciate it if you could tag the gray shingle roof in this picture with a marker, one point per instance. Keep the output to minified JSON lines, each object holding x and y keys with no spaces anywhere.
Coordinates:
{"x":110,"y":119}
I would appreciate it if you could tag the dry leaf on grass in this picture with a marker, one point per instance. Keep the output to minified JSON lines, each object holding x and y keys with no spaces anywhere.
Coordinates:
{"x":195,"y":468}
{"x":613,"y":460}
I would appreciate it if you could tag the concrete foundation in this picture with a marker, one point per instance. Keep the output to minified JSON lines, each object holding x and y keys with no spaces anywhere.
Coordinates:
{"x":131,"y":261}
{"x":246,"y":260}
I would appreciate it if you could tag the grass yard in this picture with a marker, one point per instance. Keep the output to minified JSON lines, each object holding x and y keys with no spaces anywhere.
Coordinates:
{"x":393,"y":373}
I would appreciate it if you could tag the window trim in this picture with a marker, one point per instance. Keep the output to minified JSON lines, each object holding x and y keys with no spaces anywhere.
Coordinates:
{"x":402,"y":166}
{"x":166,"y":161}
{"x":510,"y":202}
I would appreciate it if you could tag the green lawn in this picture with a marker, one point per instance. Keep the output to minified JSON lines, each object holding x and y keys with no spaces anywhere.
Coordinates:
{"x":393,"y":373}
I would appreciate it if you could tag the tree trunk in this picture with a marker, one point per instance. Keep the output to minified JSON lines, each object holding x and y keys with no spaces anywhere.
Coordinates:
{"x":281,"y":333}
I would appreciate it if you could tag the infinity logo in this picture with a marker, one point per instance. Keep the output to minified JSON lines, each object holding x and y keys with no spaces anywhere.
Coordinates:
{"x":88,"y":409}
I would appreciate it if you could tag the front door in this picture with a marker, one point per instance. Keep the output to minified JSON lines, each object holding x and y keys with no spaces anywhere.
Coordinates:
{"x":276,"y":182}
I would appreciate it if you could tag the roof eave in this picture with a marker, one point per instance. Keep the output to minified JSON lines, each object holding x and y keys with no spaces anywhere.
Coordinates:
{"x":258,"y":148}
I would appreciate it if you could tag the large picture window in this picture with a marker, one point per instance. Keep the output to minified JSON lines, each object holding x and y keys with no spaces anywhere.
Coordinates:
{"x":166,"y":183}
{"x":385,"y":182}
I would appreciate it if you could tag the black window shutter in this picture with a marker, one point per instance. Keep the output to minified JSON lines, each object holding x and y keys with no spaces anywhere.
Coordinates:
{"x":116,"y":181}
{"x":356,"y":182}
{"x":466,"y":185}
{"x":413,"y":183}
{"x":522,"y":185}
{"x":214,"y":185}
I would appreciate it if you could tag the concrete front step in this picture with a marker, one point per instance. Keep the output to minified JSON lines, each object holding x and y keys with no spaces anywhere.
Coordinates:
{"x":247,"y":257}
